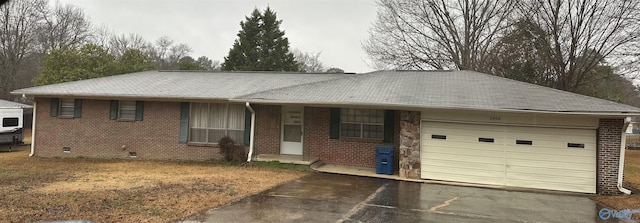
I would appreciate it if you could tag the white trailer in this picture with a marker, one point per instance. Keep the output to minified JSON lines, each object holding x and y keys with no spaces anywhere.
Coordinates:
{"x":11,"y":118}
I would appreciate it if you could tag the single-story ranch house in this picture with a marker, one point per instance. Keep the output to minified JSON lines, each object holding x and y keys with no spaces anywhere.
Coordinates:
{"x":459,"y":126}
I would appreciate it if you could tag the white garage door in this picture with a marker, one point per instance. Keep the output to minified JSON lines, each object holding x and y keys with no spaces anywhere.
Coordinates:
{"x":534,"y":157}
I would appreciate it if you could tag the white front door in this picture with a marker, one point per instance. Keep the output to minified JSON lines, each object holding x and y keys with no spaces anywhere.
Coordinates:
{"x":292,"y":117}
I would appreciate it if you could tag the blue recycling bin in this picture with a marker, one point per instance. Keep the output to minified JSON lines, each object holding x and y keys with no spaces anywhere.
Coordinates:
{"x":384,"y":160}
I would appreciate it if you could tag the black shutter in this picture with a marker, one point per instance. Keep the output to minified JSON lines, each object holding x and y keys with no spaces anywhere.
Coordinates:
{"x":77,"y":108}
{"x":139,"y":110}
{"x":247,"y":127}
{"x":184,"y":122}
{"x":113,"y":110}
{"x":55,"y":105}
{"x":334,"y":124}
{"x":389,"y":124}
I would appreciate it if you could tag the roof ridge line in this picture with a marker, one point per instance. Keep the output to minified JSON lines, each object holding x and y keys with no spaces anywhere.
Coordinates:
{"x":344,"y":76}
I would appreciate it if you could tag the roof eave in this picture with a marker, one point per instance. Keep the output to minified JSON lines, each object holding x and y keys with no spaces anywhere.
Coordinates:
{"x":421,"y":108}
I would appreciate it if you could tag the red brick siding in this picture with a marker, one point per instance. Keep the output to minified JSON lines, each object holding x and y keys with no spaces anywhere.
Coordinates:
{"x":267,"y":135}
{"x":349,"y":152}
{"x":95,"y":135}
{"x":609,"y":141}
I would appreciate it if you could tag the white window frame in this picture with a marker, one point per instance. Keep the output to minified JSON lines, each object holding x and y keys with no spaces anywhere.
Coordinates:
{"x":126,"y":106}
{"x":226,"y":122}
{"x":67,"y":107}
{"x":378,"y":118}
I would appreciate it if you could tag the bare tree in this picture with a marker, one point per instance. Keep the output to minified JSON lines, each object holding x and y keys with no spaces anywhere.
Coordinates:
{"x":437,"y":34}
{"x":309,"y":62}
{"x":582,"y":34}
{"x":63,"y":26}
{"x":166,"y":54}
{"x":119,"y":44}
{"x":18,"y":39}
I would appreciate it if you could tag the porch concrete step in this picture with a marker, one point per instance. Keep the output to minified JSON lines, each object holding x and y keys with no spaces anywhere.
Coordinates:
{"x":293,"y":159}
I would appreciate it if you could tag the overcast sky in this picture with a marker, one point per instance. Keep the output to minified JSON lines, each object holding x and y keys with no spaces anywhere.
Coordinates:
{"x":336,"y":28}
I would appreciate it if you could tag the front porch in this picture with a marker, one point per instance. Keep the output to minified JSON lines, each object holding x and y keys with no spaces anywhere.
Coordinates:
{"x":282,"y":158}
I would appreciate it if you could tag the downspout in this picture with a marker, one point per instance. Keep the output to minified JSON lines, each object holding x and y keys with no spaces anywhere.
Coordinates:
{"x":33,"y":130}
{"x":253,"y":128}
{"x":623,"y":144}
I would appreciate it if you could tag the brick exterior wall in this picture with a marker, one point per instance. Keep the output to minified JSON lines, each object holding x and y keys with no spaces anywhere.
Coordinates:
{"x":95,"y":135}
{"x":609,"y":132}
{"x":348,"y":152}
{"x":267,"y":132}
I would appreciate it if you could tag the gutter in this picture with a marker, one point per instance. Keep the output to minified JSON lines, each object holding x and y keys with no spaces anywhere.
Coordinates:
{"x":253,"y":128}
{"x":33,"y":130}
{"x":623,"y":145}
{"x":422,"y":108}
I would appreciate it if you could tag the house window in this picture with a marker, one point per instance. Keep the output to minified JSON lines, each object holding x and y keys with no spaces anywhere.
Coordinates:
{"x":210,"y":122}
{"x":9,"y":122}
{"x":127,"y":110}
{"x":67,"y":107}
{"x":362,"y":123}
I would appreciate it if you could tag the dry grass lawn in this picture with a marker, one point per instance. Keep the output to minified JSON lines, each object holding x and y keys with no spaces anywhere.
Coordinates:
{"x":631,"y":181}
{"x":35,"y":189}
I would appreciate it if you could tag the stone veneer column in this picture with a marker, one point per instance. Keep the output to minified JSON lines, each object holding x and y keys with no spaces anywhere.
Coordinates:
{"x":410,"y":144}
{"x":609,"y":132}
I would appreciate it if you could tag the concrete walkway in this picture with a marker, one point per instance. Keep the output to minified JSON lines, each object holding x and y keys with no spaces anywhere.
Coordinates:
{"x":322,"y":197}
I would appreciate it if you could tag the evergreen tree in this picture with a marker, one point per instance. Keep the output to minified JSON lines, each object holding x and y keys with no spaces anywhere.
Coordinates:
{"x":261,"y":45}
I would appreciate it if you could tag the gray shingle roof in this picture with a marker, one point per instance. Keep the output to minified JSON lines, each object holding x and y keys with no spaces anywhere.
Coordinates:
{"x":410,"y":89}
{"x":11,"y":104}
{"x":442,"y":89}
{"x":176,"y":85}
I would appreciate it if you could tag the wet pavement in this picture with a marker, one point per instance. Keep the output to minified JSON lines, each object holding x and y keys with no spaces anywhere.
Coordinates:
{"x":323,"y":197}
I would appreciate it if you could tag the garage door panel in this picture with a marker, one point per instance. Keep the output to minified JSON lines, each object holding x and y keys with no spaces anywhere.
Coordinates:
{"x":525,"y":156}
{"x":466,"y":178}
{"x":549,"y":150}
{"x":437,"y":126}
{"x":468,"y":143}
{"x":464,"y":133}
{"x":474,"y":156}
{"x":585,"y":166}
{"x":459,"y":147}
{"x":466,"y":163}
{"x":583,"y":188}
{"x":561,"y":180}
{"x":547,"y":173}
{"x":550,"y":130}
{"x":549,"y":163}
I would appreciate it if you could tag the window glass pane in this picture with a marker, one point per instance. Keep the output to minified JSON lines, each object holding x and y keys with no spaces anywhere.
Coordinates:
{"x":9,"y":122}
{"x":217,"y":116}
{"x":127,"y":110}
{"x":216,"y":134}
{"x":198,"y":135}
{"x":292,"y":133}
{"x":236,"y":135}
{"x":236,"y":116}
{"x":350,"y":130}
{"x":199,"y":115}
{"x":373,"y":131}
{"x":67,"y":106}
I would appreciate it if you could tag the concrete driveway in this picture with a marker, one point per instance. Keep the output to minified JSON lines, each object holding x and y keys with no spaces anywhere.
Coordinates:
{"x":323,"y":197}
